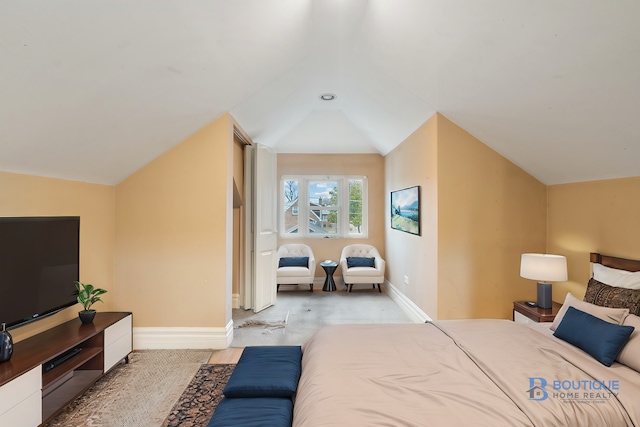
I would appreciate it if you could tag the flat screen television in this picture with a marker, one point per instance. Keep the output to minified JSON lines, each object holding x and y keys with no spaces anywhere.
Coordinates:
{"x":39,"y":261}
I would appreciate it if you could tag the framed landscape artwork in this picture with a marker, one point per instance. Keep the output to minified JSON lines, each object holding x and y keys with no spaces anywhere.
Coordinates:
{"x":405,"y":210}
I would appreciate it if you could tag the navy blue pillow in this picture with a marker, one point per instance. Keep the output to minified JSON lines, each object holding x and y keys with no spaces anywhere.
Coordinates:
{"x":602,"y":340}
{"x":266,"y":371}
{"x":294,"y":261}
{"x":253,"y":412}
{"x":357,"y":261}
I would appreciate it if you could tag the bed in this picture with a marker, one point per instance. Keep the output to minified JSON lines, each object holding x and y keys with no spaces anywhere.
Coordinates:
{"x":481,"y":372}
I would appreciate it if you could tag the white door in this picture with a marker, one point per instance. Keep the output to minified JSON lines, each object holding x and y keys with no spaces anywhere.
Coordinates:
{"x":265,"y":227}
{"x":246,"y":287}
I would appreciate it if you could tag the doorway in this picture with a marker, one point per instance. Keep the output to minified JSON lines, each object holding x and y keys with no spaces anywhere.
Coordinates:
{"x":240,"y":143}
{"x":254,"y":226}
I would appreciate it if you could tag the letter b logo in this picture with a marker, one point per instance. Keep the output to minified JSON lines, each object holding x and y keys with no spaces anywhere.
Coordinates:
{"x":537,"y":389}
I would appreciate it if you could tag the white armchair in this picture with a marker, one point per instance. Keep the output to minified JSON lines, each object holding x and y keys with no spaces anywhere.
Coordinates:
{"x":362,"y":274}
{"x":295,"y":274}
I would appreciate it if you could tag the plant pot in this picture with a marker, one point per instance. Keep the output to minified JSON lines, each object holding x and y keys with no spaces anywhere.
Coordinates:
{"x":86,"y":316}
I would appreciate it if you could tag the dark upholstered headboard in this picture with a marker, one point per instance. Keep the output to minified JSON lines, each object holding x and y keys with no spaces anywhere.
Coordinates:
{"x":613,"y":262}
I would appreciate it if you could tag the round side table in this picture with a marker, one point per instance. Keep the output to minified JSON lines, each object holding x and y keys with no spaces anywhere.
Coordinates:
{"x":329,"y":267}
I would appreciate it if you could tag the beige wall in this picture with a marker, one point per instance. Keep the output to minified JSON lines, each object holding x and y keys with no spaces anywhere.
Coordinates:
{"x":369,"y":165}
{"x":490,"y":212}
{"x":25,"y":195}
{"x":479,"y":213}
{"x":174,"y":229}
{"x":597,"y":216}
{"x":412,"y":163}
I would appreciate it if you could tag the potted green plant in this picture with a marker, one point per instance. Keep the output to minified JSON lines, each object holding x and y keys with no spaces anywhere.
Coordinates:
{"x":87,"y":296}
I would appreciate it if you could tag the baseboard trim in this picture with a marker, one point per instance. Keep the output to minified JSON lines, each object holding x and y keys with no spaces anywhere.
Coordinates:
{"x":409,"y":307}
{"x":182,"y":338}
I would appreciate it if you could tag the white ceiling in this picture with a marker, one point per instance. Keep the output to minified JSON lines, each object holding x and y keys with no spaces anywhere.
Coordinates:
{"x":93,"y":90}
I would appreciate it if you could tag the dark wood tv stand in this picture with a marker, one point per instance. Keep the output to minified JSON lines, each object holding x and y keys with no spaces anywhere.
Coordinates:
{"x":24,"y":384}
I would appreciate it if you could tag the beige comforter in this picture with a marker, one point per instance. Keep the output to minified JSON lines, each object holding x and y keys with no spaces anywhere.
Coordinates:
{"x":456,"y":373}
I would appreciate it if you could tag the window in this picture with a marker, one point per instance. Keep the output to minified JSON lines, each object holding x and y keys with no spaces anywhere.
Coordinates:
{"x":323,"y":206}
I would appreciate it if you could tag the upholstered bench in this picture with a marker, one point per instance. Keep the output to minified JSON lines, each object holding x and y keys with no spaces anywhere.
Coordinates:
{"x":266,"y":371}
{"x":253,"y":412}
{"x":260,"y":389}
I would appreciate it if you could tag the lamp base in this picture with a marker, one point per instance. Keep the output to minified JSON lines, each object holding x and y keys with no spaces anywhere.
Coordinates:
{"x":544,"y":295}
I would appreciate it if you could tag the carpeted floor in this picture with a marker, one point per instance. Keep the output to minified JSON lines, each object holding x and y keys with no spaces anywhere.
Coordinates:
{"x":197,"y":403}
{"x":138,"y":394}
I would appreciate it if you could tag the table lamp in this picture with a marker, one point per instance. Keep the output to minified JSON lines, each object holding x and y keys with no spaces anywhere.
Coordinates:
{"x":544,"y":268}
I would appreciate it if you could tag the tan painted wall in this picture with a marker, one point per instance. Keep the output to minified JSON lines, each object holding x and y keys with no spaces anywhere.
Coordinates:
{"x":596,"y":216}
{"x":412,"y":163}
{"x":370,"y":165}
{"x":490,"y":212}
{"x":25,"y":195}
{"x":174,"y":229}
{"x":479,"y":213}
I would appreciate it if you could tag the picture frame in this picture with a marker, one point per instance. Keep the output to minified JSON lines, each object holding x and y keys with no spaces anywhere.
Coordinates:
{"x":405,"y":210}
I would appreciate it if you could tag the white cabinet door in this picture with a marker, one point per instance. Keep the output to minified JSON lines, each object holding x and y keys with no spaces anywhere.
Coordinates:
{"x":117,"y":342}
{"x":21,"y":400}
{"x":521,"y":318}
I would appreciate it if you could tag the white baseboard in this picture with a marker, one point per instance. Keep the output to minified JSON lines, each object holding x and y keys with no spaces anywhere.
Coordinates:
{"x":409,"y":307}
{"x":182,"y":338}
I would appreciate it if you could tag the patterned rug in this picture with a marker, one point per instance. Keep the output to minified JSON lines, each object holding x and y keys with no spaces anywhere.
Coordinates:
{"x":137,"y":394}
{"x":197,"y":403}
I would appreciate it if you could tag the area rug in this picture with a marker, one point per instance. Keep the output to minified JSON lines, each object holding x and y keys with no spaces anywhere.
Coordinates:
{"x":135,"y":394}
{"x":198,"y":401}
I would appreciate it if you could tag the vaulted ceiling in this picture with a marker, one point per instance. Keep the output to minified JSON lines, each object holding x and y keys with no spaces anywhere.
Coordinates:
{"x":93,"y":90}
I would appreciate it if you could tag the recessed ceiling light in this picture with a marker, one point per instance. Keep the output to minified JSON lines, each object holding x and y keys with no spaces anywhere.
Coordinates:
{"x":328,"y":97}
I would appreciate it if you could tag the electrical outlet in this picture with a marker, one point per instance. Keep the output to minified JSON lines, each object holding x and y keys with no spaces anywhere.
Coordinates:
{"x":406,"y":280}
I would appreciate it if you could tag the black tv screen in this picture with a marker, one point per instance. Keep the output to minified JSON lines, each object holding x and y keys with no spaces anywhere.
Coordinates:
{"x":39,"y":261}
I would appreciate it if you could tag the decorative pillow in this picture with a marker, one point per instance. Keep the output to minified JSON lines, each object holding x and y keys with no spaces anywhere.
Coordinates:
{"x":355,"y":261}
{"x":614,"y":277}
{"x":266,"y":371}
{"x":630,"y":353}
{"x":611,"y":315}
{"x":608,"y":296}
{"x":253,"y":412}
{"x":602,"y":340}
{"x":294,"y":261}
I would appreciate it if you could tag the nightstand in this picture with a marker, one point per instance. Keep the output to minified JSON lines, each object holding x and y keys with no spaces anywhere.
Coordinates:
{"x":522,"y":313}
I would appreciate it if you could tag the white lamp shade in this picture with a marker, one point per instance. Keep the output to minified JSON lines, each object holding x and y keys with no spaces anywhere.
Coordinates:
{"x":544,"y":267}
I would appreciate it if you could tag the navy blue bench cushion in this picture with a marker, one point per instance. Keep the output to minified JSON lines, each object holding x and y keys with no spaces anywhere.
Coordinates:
{"x":266,"y":371}
{"x":253,"y":412}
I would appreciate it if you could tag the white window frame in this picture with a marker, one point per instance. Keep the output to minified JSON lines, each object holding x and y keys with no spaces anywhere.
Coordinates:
{"x":343,"y":206}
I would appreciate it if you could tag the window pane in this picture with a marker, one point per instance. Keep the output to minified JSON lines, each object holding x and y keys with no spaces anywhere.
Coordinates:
{"x":323,"y":221}
{"x":323,"y":193}
{"x":323,"y":214}
{"x":355,"y":206}
{"x":291,"y":224}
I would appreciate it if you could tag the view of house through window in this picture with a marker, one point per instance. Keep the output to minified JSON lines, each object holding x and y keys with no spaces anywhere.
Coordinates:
{"x":323,"y":206}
